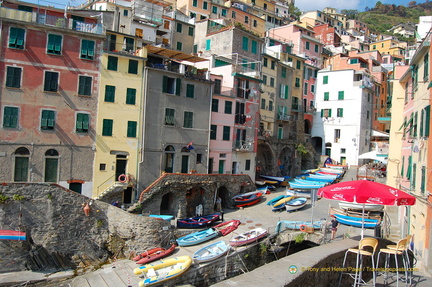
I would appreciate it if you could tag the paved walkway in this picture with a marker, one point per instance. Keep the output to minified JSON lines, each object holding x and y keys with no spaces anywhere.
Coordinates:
{"x":251,"y":217}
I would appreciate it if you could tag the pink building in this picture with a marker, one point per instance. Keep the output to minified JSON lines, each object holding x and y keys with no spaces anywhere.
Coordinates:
{"x":327,"y":35}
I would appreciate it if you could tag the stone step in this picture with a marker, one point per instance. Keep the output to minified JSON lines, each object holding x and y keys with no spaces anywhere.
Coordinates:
{"x":80,"y":282}
{"x":96,"y":280}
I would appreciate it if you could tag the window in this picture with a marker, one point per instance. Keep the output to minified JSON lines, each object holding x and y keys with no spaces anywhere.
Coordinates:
{"x":85,"y":86}
{"x":47,"y":120}
{"x":340,"y":113}
{"x":423,"y":180}
{"x":255,"y":23}
{"x":10,"y":117}
{"x":337,"y":135}
{"x":171,"y":85}
{"x":179,"y":46}
{"x":233,"y":14}
{"x":179,"y":27}
{"x":213,"y":131}
{"x":195,"y":3}
{"x":195,"y":49}
{"x":191,"y":31}
{"x":130,"y":96}
{"x":214,"y":9}
{"x":305,"y":90}
{"x":374,"y":47}
{"x":129,"y":44}
{"x":82,"y":123}
{"x":125,"y":12}
{"x":51,"y":81}
{"x":51,"y":165}
{"x":367,"y":114}
{"x":270,"y":106}
{"x":280,"y":133}
{"x":273,"y":65}
{"x":272,"y":82}
{"x":263,"y":104}
{"x":326,"y":96}
{"x":226,"y":133}
{"x":297,"y":82}
{"x":264,"y":79}
{"x":284,"y":91}
{"x":325,"y":113}
{"x":217,"y":86}
{"x":228,"y":107}
{"x":21,"y":169}
{"x":109,"y":93}
{"x":54,"y":44}
{"x":248,"y":164}
{"x":208,"y":44}
{"x":107,"y":127}
{"x":341,"y":95}
{"x":169,"y":117}
{"x":245,"y":43}
{"x":190,"y":91}
{"x":283,"y":72}
{"x":188,"y":120}
{"x":342,"y":150}
{"x":205,"y":5}
{"x":87,"y":49}
{"x":224,"y":12}
{"x":254,"y":46}
{"x":312,"y":88}
{"x":298,"y":67}
{"x":246,"y":19}
{"x":354,"y":61}
{"x":13,"y":77}
{"x":325,"y":80}
{"x":16,"y":38}
{"x":131,"y":129}
{"x":316,"y":48}
{"x":426,"y":67}
{"x":133,"y":67}
{"x":307,"y":45}
{"x":112,"y":63}
{"x":102,"y":166}
{"x":215,"y":105}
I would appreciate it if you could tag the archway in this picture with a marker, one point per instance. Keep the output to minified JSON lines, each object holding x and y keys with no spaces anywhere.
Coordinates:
{"x":167,"y":203}
{"x":317,"y":144}
{"x":265,"y":162}
{"x":194,"y":197}
{"x":284,"y":161}
{"x":307,"y":126}
{"x":223,"y":193}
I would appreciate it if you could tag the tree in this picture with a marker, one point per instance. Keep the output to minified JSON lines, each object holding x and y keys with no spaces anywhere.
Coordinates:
{"x":412,"y":4}
{"x":350,"y":14}
{"x":377,"y":4}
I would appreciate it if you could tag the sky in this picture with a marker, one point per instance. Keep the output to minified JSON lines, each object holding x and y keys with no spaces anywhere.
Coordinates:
{"x":305,"y":5}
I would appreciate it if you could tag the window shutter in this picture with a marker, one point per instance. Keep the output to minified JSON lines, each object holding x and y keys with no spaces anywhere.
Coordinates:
{"x":165,"y":84}
{"x":254,"y":47}
{"x":286,"y":92}
{"x":427,"y":122}
{"x":85,"y":121}
{"x":79,"y":122}
{"x":178,"y":86}
{"x":421,"y":122}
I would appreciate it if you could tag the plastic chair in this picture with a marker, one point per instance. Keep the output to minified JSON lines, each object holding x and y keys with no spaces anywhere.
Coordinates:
{"x":408,"y":263}
{"x":361,"y":251}
{"x":398,"y":250}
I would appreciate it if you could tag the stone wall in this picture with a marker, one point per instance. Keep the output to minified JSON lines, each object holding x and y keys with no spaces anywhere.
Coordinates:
{"x":61,"y":236}
{"x":190,"y":190}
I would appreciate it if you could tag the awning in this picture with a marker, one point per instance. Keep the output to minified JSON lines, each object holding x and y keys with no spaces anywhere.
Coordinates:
{"x":379,"y":134}
{"x":374,"y":156}
{"x":176,"y":55}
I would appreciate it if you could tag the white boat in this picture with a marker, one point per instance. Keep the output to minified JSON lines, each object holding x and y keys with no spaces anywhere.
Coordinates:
{"x":211,"y":252}
{"x":275,"y":178}
{"x":298,"y":193}
{"x":359,"y":206}
{"x":295,"y":204}
{"x":331,"y":170}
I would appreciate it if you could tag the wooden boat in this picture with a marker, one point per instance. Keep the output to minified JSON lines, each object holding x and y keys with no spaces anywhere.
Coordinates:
{"x":359,"y":206}
{"x":264,"y":190}
{"x":295,"y":203}
{"x":162,"y":217}
{"x":227,"y":227}
{"x":242,"y":200}
{"x":156,"y":255}
{"x":336,"y":166}
{"x":163,"y":270}
{"x":295,"y":225}
{"x":319,"y":179}
{"x":198,"y":221}
{"x":305,"y":186}
{"x":298,"y":193}
{"x":274,"y":200}
{"x":211,"y":252}
{"x":356,"y":221}
{"x":273,"y":178}
{"x":281,"y":203}
{"x":332,"y":170}
{"x":260,"y":183}
{"x":197,"y":237}
{"x":367,"y":214}
{"x":249,"y":237}
{"x":324,"y":176}
{"x":328,"y":173}
{"x":12,"y":235}
{"x":147,"y":253}
{"x":305,"y":181}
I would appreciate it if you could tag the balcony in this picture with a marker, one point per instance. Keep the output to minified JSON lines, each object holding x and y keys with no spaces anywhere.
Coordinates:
{"x":52,"y":21}
{"x":243,"y":146}
{"x":283,"y":117}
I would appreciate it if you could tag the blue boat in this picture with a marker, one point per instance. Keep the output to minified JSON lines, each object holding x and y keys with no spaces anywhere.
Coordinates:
{"x":295,"y":204}
{"x":280,"y":204}
{"x":322,"y":179}
{"x":198,"y":221}
{"x":305,"y":181}
{"x":305,"y":186}
{"x":274,"y":200}
{"x":163,"y":217}
{"x":356,"y":221}
{"x":211,"y":252}
{"x":299,"y":193}
{"x":197,"y":237}
{"x":295,"y":225}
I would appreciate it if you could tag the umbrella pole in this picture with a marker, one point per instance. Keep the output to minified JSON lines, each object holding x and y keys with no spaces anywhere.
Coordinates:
{"x":363,"y":215}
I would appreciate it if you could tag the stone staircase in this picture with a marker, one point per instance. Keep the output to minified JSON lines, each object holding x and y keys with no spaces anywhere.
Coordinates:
{"x":115,"y":187}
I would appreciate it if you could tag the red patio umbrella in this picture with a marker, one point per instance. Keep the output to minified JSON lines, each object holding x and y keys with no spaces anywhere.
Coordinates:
{"x":365,"y":191}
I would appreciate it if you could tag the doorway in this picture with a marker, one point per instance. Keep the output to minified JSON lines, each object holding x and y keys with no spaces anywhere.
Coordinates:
{"x":121,"y":163}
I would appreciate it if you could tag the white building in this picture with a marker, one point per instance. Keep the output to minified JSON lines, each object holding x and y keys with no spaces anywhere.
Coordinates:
{"x":343,"y":122}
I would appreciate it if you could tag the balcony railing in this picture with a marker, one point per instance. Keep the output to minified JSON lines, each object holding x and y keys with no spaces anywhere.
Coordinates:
{"x":244,"y":146}
{"x":52,"y":21}
{"x":283,"y":117}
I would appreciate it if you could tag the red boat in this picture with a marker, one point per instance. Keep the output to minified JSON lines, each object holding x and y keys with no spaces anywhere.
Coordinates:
{"x":247,"y":200}
{"x":227,"y":227}
{"x":147,"y":253}
{"x":157,"y":255}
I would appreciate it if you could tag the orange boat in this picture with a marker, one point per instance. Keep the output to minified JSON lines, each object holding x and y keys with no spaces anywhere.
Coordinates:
{"x":157,"y":255}
{"x":247,"y":200}
{"x":227,"y":227}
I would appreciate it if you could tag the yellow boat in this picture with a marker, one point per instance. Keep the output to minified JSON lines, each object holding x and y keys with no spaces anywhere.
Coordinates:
{"x":163,"y":270}
{"x":283,"y":201}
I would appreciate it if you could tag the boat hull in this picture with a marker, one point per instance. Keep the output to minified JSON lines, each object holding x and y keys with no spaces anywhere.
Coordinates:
{"x":198,"y":221}
{"x":247,"y":200}
{"x":227,"y":227}
{"x":163,"y":270}
{"x":359,"y":206}
{"x":157,"y":255}
{"x":295,"y":204}
{"x":211,"y":252}
{"x":248,"y":237}
{"x":356,"y":221}
{"x":197,"y":237}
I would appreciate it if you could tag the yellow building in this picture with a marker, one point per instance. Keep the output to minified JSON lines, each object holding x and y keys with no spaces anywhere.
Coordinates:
{"x":389,"y":46}
{"x":268,"y":96}
{"x":118,"y":128}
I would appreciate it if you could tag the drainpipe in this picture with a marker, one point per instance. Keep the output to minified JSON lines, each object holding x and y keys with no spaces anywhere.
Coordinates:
{"x":141,"y":139}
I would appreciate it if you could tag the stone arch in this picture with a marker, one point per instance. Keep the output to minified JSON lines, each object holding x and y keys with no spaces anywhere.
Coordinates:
{"x":284,"y":161}
{"x":265,"y":159}
{"x":167,"y":203}
{"x":307,"y":126}
{"x":194,"y":197}
{"x":317,"y":144}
